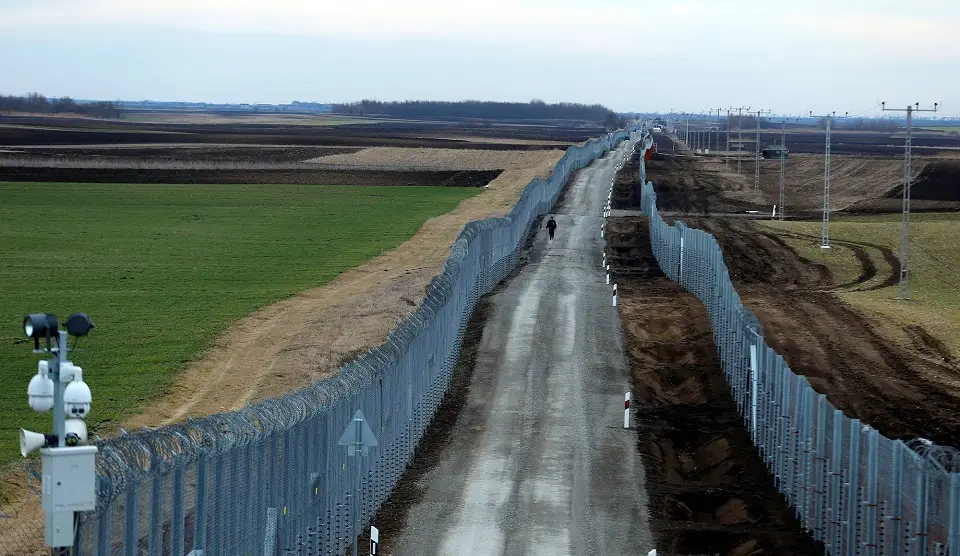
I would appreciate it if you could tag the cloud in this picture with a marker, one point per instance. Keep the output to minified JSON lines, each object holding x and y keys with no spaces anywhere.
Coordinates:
{"x":562,"y":26}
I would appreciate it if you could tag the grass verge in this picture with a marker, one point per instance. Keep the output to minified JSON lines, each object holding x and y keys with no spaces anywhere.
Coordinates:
{"x":934,"y":302}
{"x":162,"y":269}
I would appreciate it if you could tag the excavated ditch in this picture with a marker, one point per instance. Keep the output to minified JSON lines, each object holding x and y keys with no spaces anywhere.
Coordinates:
{"x":709,"y":491}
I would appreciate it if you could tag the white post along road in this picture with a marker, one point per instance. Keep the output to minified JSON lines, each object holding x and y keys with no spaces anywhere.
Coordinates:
{"x":539,"y":462}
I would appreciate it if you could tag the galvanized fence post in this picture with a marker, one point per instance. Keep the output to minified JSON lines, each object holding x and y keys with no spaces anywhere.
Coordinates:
{"x":200,"y":512}
{"x":873,"y":472}
{"x":853,"y":499}
{"x":954,"y":530}
{"x":896,"y":510}
{"x":132,"y":520}
{"x":923,"y":501}
{"x":836,"y":482}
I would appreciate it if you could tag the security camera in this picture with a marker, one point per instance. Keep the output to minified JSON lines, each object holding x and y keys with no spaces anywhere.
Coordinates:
{"x":75,"y":432}
{"x":40,"y":390}
{"x":77,"y":399}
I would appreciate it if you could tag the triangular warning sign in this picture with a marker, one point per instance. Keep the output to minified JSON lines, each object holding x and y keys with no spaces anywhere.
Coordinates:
{"x":358,"y":435}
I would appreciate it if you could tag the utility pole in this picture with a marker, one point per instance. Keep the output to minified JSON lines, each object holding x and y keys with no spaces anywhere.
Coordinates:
{"x":727,"y":157}
{"x":718,"y":127}
{"x":756,"y":169}
{"x":907,"y":180}
{"x":825,"y":228}
{"x":740,"y":110}
{"x":783,"y":161}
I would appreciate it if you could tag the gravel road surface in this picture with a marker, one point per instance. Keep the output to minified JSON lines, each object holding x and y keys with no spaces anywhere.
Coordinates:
{"x":540,"y":463}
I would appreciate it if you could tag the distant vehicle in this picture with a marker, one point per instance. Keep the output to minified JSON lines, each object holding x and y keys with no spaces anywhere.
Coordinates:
{"x":657,"y":129}
{"x":775,"y":152}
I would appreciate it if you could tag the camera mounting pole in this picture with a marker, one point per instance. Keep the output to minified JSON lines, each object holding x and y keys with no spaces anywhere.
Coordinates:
{"x":59,"y":415}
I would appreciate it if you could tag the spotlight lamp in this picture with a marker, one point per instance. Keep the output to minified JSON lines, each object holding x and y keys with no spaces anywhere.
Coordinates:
{"x":40,"y":325}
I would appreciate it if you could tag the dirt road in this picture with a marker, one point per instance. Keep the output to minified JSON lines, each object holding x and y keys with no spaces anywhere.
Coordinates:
{"x":539,"y":462}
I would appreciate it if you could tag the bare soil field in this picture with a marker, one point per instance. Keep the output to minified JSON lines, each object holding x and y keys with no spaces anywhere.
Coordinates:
{"x":22,"y":130}
{"x":887,"y":143}
{"x":234,"y":150}
{"x":442,"y":178}
{"x":434,"y":159}
{"x":181,"y":152}
{"x":709,"y":491}
{"x":692,"y":184}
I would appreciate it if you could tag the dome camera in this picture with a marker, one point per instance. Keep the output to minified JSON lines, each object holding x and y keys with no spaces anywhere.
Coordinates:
{"x":77,"y":399}
{"x":40,"y":390}
{"x":75,"y":433}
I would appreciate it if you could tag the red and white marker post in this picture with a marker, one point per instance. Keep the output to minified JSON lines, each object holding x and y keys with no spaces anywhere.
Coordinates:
{"x":626,"y":410}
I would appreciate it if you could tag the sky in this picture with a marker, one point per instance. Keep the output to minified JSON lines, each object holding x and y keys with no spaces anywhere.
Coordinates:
{"x":787,"y":56}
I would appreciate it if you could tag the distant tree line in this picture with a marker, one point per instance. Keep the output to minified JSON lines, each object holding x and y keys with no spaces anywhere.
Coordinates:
{"x":39,"y":104}
{"x":483,"y":110}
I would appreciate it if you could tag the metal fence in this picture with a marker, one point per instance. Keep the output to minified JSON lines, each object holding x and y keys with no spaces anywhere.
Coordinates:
{"x":270,"y":478}
{"x":852,"y":488}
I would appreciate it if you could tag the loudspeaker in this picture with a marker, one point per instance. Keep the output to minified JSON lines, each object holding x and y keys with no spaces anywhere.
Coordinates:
{"x":30,"y":441}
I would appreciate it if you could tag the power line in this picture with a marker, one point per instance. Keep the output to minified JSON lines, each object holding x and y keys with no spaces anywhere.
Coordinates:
{"x":907,"y":180}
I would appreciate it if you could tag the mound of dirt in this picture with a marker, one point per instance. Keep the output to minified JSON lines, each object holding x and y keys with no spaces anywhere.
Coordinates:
{"x":937,"y":181}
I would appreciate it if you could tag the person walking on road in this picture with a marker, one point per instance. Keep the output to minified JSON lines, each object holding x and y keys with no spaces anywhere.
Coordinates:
{"x":551,"y":227}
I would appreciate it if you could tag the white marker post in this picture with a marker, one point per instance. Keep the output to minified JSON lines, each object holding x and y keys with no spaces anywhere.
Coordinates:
{"x":614,"y":295}
{"x":608,"y":278}
{"x":626,"y":410}
{"x":374,"y":540}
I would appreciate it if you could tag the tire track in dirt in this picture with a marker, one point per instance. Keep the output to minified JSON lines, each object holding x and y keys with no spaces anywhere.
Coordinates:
{"x":892,"y":260}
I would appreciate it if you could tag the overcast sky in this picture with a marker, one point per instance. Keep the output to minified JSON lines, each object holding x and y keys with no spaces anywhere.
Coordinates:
{"x":649,"y":55}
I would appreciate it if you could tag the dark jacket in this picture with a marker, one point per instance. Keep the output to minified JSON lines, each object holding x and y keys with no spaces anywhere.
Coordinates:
{"x":551,"y":224}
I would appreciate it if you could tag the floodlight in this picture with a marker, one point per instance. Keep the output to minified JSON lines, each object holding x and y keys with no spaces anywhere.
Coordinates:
{"x":79,"y":324}
{"x":38,"y":325}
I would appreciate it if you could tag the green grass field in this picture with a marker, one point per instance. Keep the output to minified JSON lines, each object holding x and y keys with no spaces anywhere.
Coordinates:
{"x":935,"y":269}
{"x":162,"y":269}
